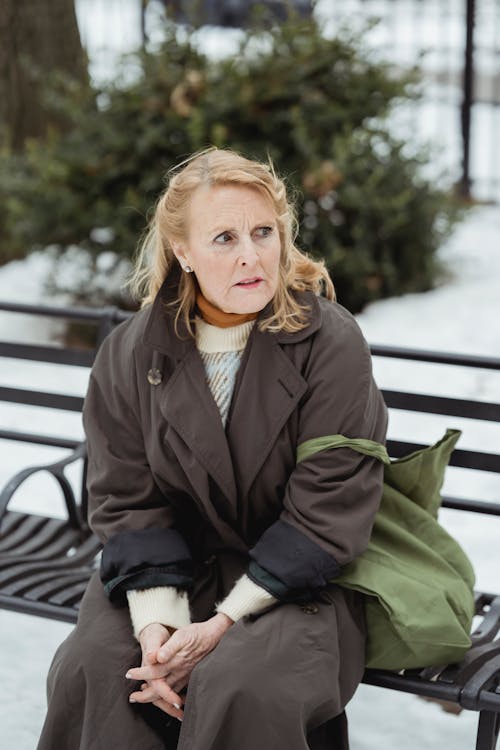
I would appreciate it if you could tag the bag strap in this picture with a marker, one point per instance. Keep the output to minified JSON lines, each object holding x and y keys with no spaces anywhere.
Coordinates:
{"x":361,"y":445}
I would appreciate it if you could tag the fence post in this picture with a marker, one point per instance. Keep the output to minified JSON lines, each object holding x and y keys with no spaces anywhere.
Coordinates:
{"x":144,"y":38}
{"x":464,"y":185}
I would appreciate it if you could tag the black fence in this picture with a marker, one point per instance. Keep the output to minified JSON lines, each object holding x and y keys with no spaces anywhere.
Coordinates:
{"x":456,"y":43}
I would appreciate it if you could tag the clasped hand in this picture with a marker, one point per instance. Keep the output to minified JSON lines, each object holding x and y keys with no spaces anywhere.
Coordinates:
{"x":168,"y":660}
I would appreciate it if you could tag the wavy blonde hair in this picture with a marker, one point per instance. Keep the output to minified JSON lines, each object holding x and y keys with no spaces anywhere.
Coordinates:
{"x":155,"y":257}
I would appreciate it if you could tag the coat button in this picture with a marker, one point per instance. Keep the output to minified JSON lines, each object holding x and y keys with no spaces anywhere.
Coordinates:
{"x":154,"y":376}
{"x":309,"y":609}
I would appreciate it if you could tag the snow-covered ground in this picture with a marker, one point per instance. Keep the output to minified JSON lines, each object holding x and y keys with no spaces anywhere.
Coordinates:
{"x":460,"y":316}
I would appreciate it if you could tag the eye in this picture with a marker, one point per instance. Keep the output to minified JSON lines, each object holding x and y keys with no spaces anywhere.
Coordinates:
{"x":265,"y":231}
{"x":223,"y":238}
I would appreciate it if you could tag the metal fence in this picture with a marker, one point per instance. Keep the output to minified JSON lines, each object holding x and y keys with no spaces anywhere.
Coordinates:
{"x":455,"y":42}
{"x":457,"y":45}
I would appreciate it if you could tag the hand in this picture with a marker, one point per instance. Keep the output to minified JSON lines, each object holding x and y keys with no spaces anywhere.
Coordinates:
{"x":151,"y":638}
{"x":175,"y":660}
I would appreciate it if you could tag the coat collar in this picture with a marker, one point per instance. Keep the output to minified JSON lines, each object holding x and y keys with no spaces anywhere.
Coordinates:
{"x":159,"y":331}
{"x":267,"y":390}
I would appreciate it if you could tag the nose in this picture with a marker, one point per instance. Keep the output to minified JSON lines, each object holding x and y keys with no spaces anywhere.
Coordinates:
{"x":248,"y":252}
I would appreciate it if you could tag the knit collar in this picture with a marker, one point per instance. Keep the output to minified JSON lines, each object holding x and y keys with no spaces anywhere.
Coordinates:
{"x":217,"y":317}
{"x":214,"y":339}
{"x":164,"y":339}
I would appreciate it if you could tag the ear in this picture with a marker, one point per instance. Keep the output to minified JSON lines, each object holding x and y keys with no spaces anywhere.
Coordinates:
{"x":180,"y":253}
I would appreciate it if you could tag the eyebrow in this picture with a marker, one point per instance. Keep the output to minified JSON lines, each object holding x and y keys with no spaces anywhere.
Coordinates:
{"x":220,"y":229}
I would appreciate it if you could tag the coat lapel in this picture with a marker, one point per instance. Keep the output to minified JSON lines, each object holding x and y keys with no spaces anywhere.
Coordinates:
{"x":191,"y":411}
{"x":267,"y":392}
{"x":187,"y":404}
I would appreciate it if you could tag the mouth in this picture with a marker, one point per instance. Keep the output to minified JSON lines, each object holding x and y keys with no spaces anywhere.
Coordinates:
{"x":250,"y":283}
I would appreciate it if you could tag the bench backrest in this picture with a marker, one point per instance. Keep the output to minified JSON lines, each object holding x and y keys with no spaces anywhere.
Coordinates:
{"x":105,"y":319}
{"x":102,"y":320}
{"x":448,"y":406}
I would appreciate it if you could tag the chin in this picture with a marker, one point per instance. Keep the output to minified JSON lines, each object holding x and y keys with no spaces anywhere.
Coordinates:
{"x":251,"y":305}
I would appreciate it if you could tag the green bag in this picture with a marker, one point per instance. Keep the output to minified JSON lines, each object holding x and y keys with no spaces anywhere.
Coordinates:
{"x":417,"y":579}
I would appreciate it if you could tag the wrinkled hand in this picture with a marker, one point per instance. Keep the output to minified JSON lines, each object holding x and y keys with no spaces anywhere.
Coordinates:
{"x":156,"y":691}
{"x":167,"y":670}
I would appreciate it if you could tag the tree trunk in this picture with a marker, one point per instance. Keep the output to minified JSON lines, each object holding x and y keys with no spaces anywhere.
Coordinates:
{"x":37,"y":37}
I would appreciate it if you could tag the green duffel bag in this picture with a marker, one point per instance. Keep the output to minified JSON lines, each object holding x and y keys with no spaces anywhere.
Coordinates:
{"x":417,"y":579}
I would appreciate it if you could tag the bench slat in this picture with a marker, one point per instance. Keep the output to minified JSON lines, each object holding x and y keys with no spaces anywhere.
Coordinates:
{"x":57,"y":590}
{"x":52,"y":539}
{"x":41,"y":398}
{"x":51,"y":354}
{"x":23,"y":531}
{"x":21,"y":585}
{"x":466,"y":459}
{"x":69,"y":596}
{"x":450,"y":407}
{"x":39,"y":609}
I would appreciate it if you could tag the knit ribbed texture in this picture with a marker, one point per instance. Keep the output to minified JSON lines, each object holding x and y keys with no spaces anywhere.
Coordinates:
{"x":212,"y":339}
{"x":163,"y":604}
{"x":221,"y":372}
{"x":221,"y":350}
{"x":245,"y":596}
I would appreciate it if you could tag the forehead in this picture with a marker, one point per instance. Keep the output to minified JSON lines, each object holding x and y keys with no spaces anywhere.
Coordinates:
{"x":211,"y":203}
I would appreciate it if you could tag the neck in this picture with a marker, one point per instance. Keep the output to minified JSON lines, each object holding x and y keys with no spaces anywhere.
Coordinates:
{"x":217,"y":317}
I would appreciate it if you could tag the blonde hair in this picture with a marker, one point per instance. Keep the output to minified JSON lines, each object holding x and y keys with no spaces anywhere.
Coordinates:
{"x":155,"y":258}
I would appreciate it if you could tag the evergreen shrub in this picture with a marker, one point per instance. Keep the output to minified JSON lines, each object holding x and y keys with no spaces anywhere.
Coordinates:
{"x":317,"y":106}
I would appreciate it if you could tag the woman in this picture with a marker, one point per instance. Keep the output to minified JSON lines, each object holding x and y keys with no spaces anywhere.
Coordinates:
{"x":216,"y":602}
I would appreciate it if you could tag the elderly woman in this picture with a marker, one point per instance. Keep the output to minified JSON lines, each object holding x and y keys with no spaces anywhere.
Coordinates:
{"x":216,"y":603}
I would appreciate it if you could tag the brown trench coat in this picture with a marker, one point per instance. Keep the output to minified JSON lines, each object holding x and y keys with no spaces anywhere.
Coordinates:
{"x":160,"y":458}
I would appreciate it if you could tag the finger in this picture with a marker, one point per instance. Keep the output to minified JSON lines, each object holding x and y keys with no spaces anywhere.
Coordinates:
{"x":145,"y":695}
{"x":169,"y":709}
{"x":151,"y":642}
{"x":147,"y":672}
{"x":175,"y":663}
{"x":169,"y":649}
{"x":177,"y":681}
{"x":166,"y":693}
{"x":150,"y":656}
{"x":178,"y":689}
{"x":179,"y":686}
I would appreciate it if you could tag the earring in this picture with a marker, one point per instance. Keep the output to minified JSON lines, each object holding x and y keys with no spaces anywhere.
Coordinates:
{"x":188,"y":269}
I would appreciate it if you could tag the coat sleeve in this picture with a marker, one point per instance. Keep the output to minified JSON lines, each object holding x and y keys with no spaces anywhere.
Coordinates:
{"x":142,"y":549}
{"x":332,"y":497}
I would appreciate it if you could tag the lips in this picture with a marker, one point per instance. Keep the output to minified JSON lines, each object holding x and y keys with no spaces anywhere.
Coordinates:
{"x":248,"y":282}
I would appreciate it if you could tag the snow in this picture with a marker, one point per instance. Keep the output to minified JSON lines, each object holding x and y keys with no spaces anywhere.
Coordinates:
{"x":429,"y":33}
{"x":461,"y":316}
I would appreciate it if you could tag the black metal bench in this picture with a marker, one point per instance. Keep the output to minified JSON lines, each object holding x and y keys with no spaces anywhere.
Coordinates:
{"x":45,"y":563}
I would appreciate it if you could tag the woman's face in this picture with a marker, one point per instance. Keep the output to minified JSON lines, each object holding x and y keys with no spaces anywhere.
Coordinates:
{"x":233,"y":247}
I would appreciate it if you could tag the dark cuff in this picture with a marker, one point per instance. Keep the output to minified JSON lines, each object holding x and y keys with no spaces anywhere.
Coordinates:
{"x":143,"y":559}
{"x":294,"y":559}
{"x":274,"y":586}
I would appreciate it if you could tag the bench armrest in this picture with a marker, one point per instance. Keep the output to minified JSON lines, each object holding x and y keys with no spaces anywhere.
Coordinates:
{"x":56,"y":469}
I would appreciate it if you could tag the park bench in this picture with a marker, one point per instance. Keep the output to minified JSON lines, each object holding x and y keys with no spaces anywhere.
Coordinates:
{"x":45,"y":562}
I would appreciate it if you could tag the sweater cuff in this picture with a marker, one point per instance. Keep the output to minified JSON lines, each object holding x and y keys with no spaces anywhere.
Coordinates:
{"x":245,"y":598}
{"x":164,"y":604}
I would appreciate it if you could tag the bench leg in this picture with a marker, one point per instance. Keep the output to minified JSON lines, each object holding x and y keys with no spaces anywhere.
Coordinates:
{"x":487,"y":730}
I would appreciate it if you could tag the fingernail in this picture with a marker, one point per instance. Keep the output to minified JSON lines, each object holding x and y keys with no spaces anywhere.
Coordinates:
{"x":176,"y":705}
{"x":128,"y":676}
{"x":132,"y":700}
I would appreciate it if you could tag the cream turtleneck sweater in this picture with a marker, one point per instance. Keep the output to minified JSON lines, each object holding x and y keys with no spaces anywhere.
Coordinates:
{"x":221,"y":350}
